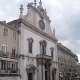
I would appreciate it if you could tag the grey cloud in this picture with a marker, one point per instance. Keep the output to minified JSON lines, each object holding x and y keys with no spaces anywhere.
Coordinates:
{"x":65,"y":17}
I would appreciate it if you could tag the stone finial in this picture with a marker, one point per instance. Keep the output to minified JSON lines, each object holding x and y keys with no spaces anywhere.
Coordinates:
{"x":45,"y":11}
{"x":54,"y":31}
{"x":21,"y":10}
{"x":35,"y":3}
{"x":40,"y":3}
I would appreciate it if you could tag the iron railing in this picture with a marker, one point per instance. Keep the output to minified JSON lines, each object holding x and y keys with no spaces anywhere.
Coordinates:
{"x":4,"y":54}
{"x":12,"y":56}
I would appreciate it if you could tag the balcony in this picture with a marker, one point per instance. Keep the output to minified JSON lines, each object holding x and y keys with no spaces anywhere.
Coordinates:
{"x":10,"y":72}
{"x":3,"y":71}
{"x":4,"y":54}
{"x":14,"y":56}
{"x":14,"y":71}
{"x":44,"y":56}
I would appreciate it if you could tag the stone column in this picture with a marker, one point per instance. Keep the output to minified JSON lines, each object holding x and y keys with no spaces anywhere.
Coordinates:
{"x":49,"y":64}
{"x":40,"y":72}
{"x":50,"y":74}
{"x":41,"y":69}
{"x":43,"y":72}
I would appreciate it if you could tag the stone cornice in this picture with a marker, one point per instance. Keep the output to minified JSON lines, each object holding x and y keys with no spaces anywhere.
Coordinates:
{"x":65,"y":49}
{"x":7,"y":25}
{"x":38,"y":30}
{"x":55,"y":61}
{"x":32,"y":27}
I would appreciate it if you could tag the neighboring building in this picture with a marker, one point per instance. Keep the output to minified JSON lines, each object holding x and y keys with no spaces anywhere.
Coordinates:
{"x":38,"y":59}
{"x":8,"y":52}
{"x":78,"y":69}
{"x":67,"y":62}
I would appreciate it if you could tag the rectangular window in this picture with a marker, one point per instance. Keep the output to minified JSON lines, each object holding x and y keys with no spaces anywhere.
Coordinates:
{"x":13,"y":66}
{"x":13,"y":51}
{"x":52,"y":53}
{"x":3,"y":66}
{"x":8,"y":64}
{"x":14,"y":35}
{"x":4,"y":48}
{"x":30,"y":47}
{"x":5,"y":32}
{"x":43,"y":49}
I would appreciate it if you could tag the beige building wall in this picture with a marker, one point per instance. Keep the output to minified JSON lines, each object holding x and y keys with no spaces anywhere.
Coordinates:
{"x":8,"y":40}
{"x":9,"y":61}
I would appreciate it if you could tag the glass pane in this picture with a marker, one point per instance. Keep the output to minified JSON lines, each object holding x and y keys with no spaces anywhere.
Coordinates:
{"x":43,"y":49}
{"x":5,"y":31}
{"x":4,"y":48}
{"x":30,"y":47}
{"x":52,"y":53}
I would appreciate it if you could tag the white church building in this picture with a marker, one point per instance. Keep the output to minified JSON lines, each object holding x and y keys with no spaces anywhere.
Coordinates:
{"x":37,"y":45}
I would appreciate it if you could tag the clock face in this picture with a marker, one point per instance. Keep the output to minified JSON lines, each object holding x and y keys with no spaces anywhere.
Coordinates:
{"x":41,"y":25}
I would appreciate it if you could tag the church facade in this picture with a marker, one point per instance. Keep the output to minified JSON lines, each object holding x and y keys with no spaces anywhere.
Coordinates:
{"x":36,"y":45}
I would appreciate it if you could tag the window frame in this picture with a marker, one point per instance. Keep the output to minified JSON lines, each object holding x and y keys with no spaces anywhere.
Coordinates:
{"x":5,"y":46}
{"x":3,"y":65}
{"x":13,"y":66}
{"x":52,"y":52}
{"x":5,"y":31}
{"x":43,"y":44}
{"x":30,"y":47}
{"x":14,"y":36}
{"x":13,"y":50}
{"x":30,"y":43}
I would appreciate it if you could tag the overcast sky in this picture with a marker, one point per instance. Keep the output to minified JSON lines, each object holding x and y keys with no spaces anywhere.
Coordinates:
{"x":64,"y":14}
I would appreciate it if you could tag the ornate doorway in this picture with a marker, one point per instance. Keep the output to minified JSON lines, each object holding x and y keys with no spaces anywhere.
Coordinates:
{"x":30,"y":71}
{"x":54,"y":74}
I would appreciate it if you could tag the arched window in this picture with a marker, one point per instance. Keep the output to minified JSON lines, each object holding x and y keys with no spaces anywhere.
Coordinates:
{"x":52,"y":51}
{"x":30,"y":41}
{"x":43,"y":44}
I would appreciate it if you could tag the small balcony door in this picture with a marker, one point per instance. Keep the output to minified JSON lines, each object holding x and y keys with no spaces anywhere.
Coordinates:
{"x":3,"y":65}
{"x":13,"y":51}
